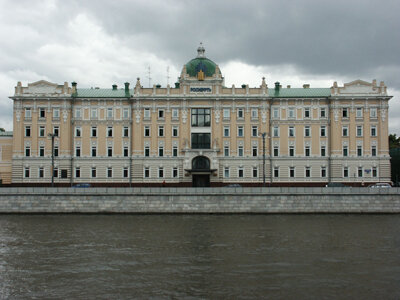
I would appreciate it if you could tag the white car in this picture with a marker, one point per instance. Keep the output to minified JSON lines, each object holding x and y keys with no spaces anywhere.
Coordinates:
{"x":381,"y":185}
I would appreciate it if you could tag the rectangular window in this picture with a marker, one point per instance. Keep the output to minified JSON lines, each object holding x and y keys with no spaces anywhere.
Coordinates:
{"x":56,"y":113}
{"x":175,"y":131}
{"x":77,"y":172}
{"x":42,"y":113}
{"x":373,"y":112}
{"x":291,"y":172}
{"x":240,"y":131}
{"x":161,"y":151}
{"x":359,"y":112}
{"x":125,"y":132}
{"x":323,"y":131}
{"x":291,"y":151}
{"x":42,"y":131}
{"x":41,"y":151}
{"x":94,"y":172}
{"x":308,"y":171}
{"x":226,"y":131}
{"x":255,"y":151}
{"x":64,"y":173}
{"x":78,"y":151}
{"x":27,"y":151}
{"x":276,"y":171}
{"x":126,"y":151}
{"x":323,"y":172}
{"x":254,"y":131}
{"x":255,"y":172}
{"x":109,"y":113}
{"x":26,"y":172}
{"x":125,"y":172}
{"x":345,"y":151}
{"x":125,"y":113}
{"x":27,"y":131}
{"x":226,"y":113}
{"x":201,"y":117}
{"x":146,"y":114}
{"x":160,"y":172}
{"x":307,"y":112}
{"x":175,"y":151}
{"x":275,"y":113}
{"x":345,"y":131}
{"x":109,"y":151}
{"x":240,"y":172}
{"x":41,"y":172}
{"x":373,"y":130}
{"x":94,"y":151}
{"x":93,"y":113}
{"x":322,"y":113}
{"x":78,"y":132}
{"x":254,"y":113}
{"x":359,"y":150}
{"x":28,"y":113}
{"x":276,"y":131}
{"x":174,"y":172}
{"x":78,"y":113}
{"x":240,"y":151}
{"x":360,"y":172}
{"x":374,"y":172}
{"x":109,"y":131}
{"x":201,"y":140}
{"x":373,"y":151}
{"x":345,"y":112}
{"x":307,"y":151}
{"x":161,"y":114}
{"x":146,"y":130}
{"x":147,"y":151}
{"x":56,"y":151}
{"x":146,"y":172}
{"x":56,"y":131}
{"x":291,"y":131}
{"x":55,"y":172}
{"x":109,"y":172}
{"x":175,"y":113}
{"x":276,"y":151}
{"x":307,"y":132}
{"x":161,"y":130}
{"x":240,"y":113}
{"x":291,"y":113}
{"x":226,"y":172}
{"x":94,"y":131}
{"x":226,"y":150}
{"x":323,"y":151}
{"x":359,"y":130}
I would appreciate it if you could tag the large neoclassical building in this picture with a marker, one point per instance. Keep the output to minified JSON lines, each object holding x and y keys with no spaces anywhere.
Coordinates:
{"x":200,"y":133}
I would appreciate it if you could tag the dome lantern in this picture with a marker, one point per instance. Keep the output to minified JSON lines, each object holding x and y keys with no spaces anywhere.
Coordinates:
{"x":200,"y":51}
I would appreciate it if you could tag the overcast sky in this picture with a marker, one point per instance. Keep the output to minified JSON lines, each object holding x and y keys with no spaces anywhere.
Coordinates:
{"x":99,"y":43}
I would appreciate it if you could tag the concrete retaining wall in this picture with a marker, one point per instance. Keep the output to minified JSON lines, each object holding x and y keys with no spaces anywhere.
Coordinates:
{"x":199,"y":200}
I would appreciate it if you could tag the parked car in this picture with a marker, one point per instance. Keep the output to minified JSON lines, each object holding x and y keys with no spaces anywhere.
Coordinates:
{"x":380,"y":185}
{"x":336,"y":184}
{"x":82,"y":185}
{"x":234,"y":185}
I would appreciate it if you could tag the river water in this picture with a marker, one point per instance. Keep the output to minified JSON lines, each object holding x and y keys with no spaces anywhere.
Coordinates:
{"x":200,"y":256}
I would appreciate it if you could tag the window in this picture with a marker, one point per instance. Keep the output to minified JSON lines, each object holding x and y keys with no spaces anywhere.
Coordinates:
{"x":64,"y":173}
{"x":41,"y":172}
{"x":146,"y":172}
{"x":240,"y":151}
{"x":276,"y":151}
{"x":291,"y":151}
{"x":255,"y":172}
{"x":56,"y":113}
{"x":254,"y":131}
{"x":175,"y":113}
{"x":125,"y":172}
{"x":161,"y":151}
{"x":345,"y":112}
{"x":126,"y":151}
{"x":226,"y":113}
{"x":161,"y":130}
{"x":360,"y":172}
{"x":323,"y":151}
{"x":42,"y":131}
{"x":240,"y":113}
{"x":240,"y":131}
{"x":276,"y":131}
{"x":109,"y":113}
{"x":201,"y":117}
{"x":323,"y":171}
{"x":307,"y":131}
{"x":26,"y":172}
{"x":345,"y":131}
{"x":125,"y":113}
{"x":42,"y":113}
{"x":27,"y":131}
{"x":373,"y":151}
{"x":226,"y":172}
{"x":322,"y":113}
{"x":161,"y":114}
{"x":146,"y":130}
{"x":308,"y":171}
{"x":291,"y":172}
{"x":373,"y":112}
{"x":41,"y":151}
{"x":77,"y":151}
{"x":109,"y":172}
{"x":94,"y":151}
{"x":147,"y":151}
{"x":93,"y":113}
{"x":125,"y":132}
{"x":94,"y":131}
{"x":175,"y":131}
{"x":56,"y":151}
{"x":276,"y":171}
{"x":307,"y":112}
{"x":323,"y":131}
{"x":359,"y":130}
{"x":27,"y":151}
{"x":175,"y":172}
{"x":28,"y":113}
{"x":374,"y":172}
{"x":307,"y":151}
{"x":226,"y":150}
{"x":160,"y":172}
{"x":201,"y":141}
{"x":240,"y":172}
{"x":226,"y":131}
{"x":373,"y":130}
{"x":77,"y":172}
{"x":77,"y":113}
{"x":359,"y":112}
{"x":255,"y":151}
{"x":55,"y":172}
{"x":291,"y":113}
{"x":109,"y":151}
{"x":175,"y":151}
{"x":56,"y":131}
{"x":359,"y":150}
{"x":291,"y":131}
{"x":147,"y":113}
{"x":78,"y":131}
{"x":94,"y":173}
{"x":254,"y":113}
{"x":345,"y":151}
{"x":275,"y":113}
{"x":109,"y":131}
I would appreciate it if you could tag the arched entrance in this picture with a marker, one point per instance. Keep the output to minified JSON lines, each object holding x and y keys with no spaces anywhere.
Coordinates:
{"x":201,"y":171}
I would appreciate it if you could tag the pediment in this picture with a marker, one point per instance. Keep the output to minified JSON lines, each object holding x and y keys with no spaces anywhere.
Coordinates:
{"x":42,"y":87}
{"x":359,"y":87}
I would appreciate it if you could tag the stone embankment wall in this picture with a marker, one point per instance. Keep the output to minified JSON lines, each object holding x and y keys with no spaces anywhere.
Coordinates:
{"x":199,"y":200}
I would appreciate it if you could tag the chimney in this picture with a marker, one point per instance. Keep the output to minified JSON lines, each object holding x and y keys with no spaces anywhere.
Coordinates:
{"x":306,"y":86}
{"x":288,"y":86}
{"x":127,"y":89}
{"x":277,"y":86}
{"x":114,"y":87}
{"x":74,"y":90}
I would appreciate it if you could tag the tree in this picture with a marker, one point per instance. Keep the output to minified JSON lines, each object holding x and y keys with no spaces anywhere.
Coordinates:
{"x":2,"y":130}
{"x":394,"y":141}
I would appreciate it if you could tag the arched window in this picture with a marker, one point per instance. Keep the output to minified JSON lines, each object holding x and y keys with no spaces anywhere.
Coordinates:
{"x":201,"y":163}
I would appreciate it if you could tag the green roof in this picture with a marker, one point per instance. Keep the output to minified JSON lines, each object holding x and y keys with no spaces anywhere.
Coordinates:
{"x":299,"y":92}
{"x":201,"y":63}
{"x":101,"y":93}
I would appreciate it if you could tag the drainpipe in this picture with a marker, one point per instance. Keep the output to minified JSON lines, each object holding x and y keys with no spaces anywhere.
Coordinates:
{"x":74,"y":94}
{"x":329,"y":141}
{"x":270,"y":142}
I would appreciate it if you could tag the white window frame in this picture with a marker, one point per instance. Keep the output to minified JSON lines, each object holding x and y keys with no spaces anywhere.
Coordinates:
{"x":146,"y":113}
{"x":175,"y":131}
{"x":227,"y":130}
{"x":359,"y":112}
{"x":56,"y":113}
{"x":226,"y":113}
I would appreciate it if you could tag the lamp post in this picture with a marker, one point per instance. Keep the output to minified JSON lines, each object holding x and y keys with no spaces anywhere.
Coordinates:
{"x":263,"y":137}
{"x":52,"y":135}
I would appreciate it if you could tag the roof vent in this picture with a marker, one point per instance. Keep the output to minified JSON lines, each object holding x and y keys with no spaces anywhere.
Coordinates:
{"x":114,"y":87}
{"x":306,"y":86}
{"x":277,"y":86}
{"x":288,"y":86}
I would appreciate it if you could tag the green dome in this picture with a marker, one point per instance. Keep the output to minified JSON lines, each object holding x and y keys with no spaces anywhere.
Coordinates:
{"x":201,"y":63}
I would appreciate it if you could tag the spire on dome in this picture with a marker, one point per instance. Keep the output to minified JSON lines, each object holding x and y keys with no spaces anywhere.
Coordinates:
{"x":200,"y":51}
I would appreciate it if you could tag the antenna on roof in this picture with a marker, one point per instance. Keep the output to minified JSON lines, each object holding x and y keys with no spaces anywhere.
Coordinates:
{"x":168,"y":75}
{"x":148,"y":76}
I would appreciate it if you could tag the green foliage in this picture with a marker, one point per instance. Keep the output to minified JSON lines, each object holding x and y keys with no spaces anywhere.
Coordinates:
{"x":2,"y":130}
{"x":394,"y":141}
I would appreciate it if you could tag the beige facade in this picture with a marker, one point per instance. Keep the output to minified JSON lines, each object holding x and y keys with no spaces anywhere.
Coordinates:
{"x":6,"y":140}
{"x":201,"y":132}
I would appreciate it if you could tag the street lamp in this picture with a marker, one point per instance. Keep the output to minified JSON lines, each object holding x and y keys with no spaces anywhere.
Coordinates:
{"x":52,"y":135}
{"x":263,"y":137}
